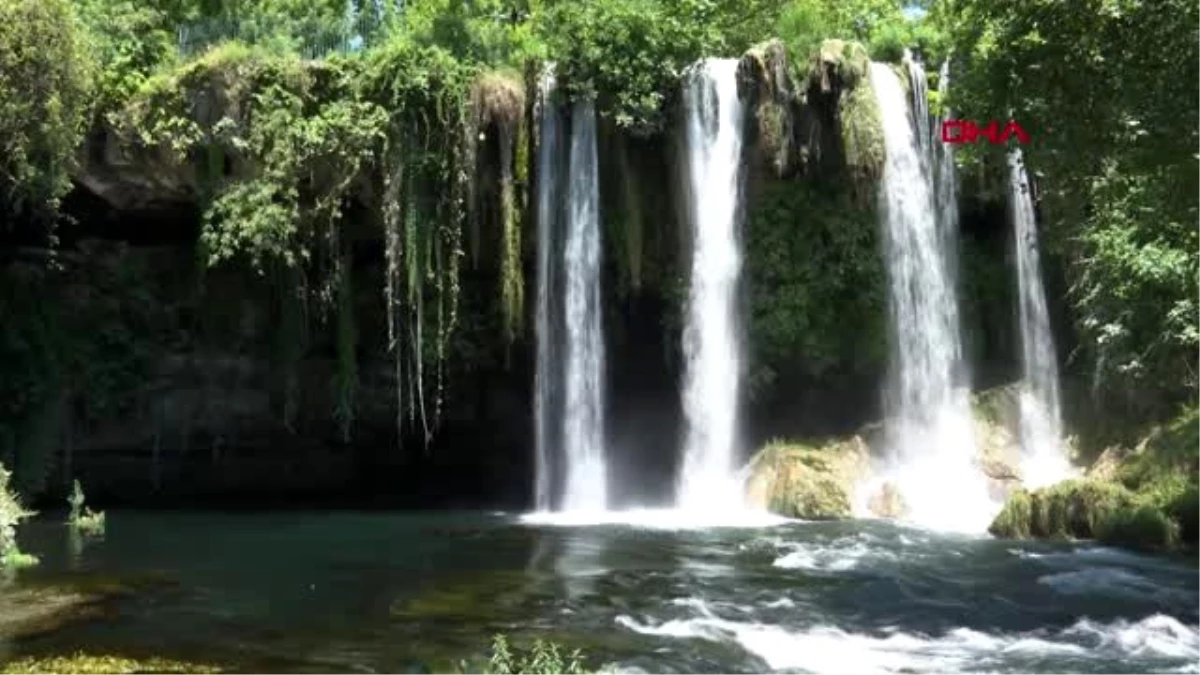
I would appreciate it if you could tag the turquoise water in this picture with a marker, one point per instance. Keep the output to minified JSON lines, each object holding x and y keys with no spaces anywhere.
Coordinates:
{"x":385,"y":592}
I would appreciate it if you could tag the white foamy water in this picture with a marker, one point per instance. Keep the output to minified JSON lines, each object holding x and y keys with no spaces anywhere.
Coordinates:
{"x":708,"y":480}
{"x":583,"y":415}
{"x":1044,"y":460}
{"x":659,"y":519}
{"x":931,"y":438}
{"x":829,"y":649}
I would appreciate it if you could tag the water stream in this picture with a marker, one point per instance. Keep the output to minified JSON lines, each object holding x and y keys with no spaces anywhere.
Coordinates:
{"x":547,"y":427}
{"x":386,"y":592}
{"x":569,"y":380}
{"x":1043,"y":458}
{"x":708,"y":479}
{"x":583,"y":415}
{"x":932,"y":455}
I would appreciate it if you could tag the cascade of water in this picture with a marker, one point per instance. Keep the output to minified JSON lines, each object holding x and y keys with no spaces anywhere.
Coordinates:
{"x":583,"y":416}
{"x":547,"y":427}
{"x":708,"y":478}
{"x":1043,"y":459}
{"x":931,"y":439}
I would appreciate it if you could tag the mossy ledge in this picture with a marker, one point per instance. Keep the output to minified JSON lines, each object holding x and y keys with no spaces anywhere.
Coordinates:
{"x":1145,"y":499}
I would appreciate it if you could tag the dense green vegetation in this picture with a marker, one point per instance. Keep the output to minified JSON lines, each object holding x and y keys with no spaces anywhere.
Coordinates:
{"x":1114,"y":157}
{"x":1107,"y":88}
{"x":308,"y":136}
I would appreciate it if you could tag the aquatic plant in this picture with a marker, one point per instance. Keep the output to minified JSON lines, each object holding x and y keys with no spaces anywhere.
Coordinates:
{"x":11,"y":513}
{"x":543,"y":658}
{"x":81,"y":517}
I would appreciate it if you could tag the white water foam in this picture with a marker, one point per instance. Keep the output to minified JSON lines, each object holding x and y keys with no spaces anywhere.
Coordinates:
{"x":841,"y":554}
{"x":657,"y":519}
{"x":823,"y":649}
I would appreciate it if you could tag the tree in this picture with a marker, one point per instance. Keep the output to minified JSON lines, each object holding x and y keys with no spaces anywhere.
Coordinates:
{"x":44,"y":97}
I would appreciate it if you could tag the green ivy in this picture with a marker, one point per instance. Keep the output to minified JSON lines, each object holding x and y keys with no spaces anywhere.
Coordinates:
{"x":817,"y":285}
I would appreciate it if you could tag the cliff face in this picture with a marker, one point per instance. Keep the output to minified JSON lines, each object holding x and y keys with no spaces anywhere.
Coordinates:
{"x":150,"y":373}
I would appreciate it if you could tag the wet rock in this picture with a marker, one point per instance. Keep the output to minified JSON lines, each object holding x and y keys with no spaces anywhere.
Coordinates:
{"x":813,"y":482}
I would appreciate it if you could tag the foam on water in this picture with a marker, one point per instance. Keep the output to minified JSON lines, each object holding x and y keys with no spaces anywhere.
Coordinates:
{"x":839,"y":555}
{"x":659,"y":519}
{"x":825,"y":648}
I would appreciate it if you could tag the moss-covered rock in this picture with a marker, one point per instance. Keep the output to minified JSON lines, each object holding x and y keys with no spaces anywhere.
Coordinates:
{"x":1071,"y":509}
{"x":840,"y":68}
{"x":862,"y":131}
{"x":813,"y":482}
{"x":1141,"y":527}
{"x":763,"y":80}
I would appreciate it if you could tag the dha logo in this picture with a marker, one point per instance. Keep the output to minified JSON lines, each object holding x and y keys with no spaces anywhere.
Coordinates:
{"x":966,"y":131}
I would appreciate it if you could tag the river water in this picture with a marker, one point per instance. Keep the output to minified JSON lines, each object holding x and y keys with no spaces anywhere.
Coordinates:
{"x":367,"y":592}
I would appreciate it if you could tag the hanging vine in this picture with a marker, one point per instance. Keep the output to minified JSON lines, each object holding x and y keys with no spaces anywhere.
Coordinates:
{"x":498,"y":102}
{"x":427,"y":150}
{"x":346,"y":375}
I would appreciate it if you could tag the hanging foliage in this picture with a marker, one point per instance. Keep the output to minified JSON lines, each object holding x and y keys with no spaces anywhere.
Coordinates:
{"x":498,"y":102}
{"x":426,"y":151}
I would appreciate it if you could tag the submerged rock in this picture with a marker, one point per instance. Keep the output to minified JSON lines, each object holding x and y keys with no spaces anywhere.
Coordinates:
{"x":813,"y":482}
{"x":26,"y":612}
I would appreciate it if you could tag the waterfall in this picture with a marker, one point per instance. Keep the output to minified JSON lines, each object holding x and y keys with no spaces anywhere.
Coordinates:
{"x":945,"y":178}
{"x":1043,"y":459}
{"x":932,"y":457}
{"x":708,"y":479}
{"x":568,"y":380}
{"x":583,"y":416}
{"x":546,"y":421}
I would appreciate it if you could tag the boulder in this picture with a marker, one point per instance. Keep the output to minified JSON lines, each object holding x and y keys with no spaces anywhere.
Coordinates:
{"x":809,"y":481}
